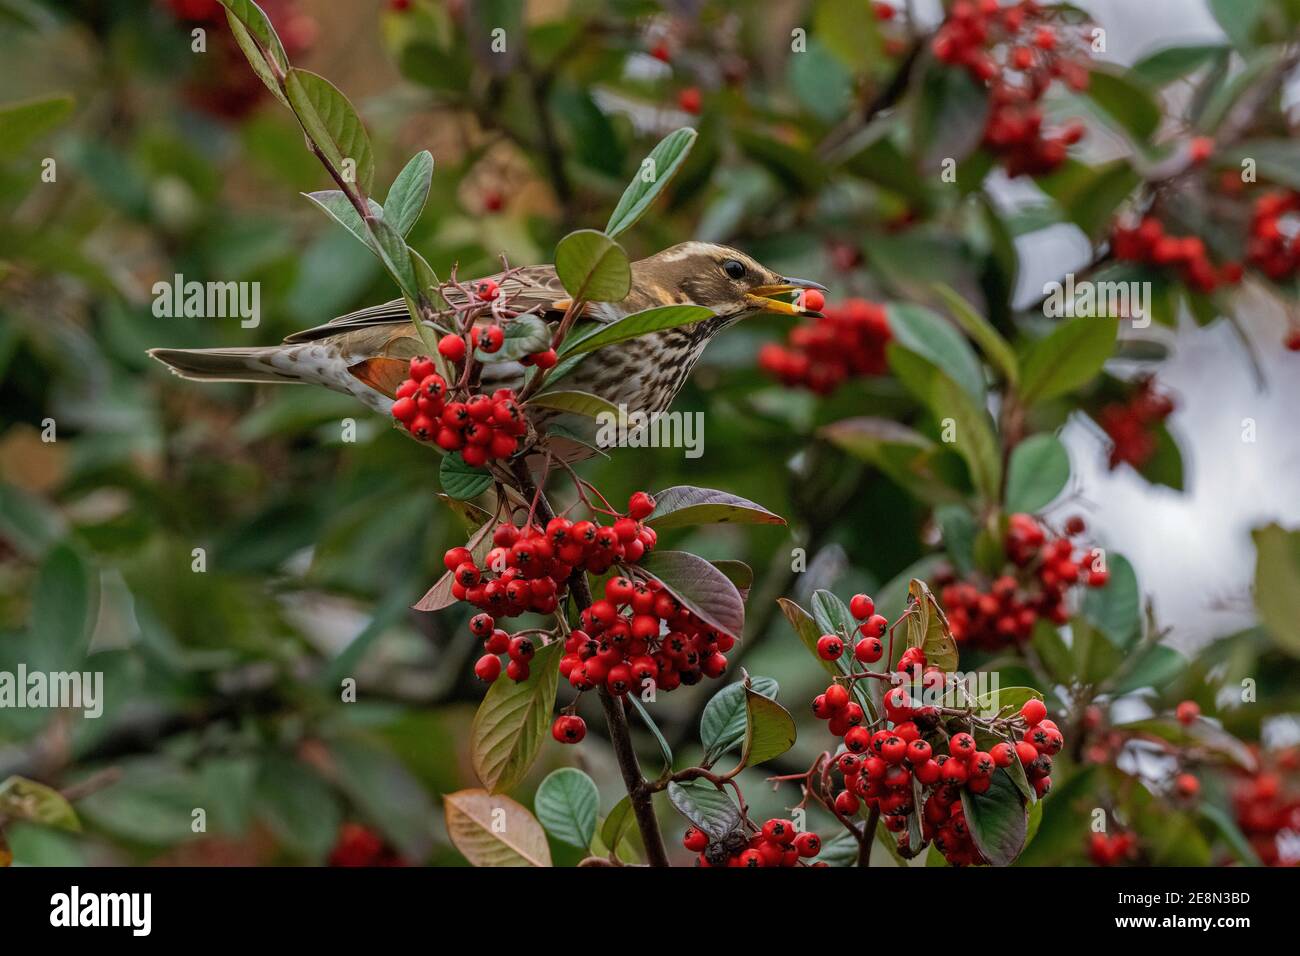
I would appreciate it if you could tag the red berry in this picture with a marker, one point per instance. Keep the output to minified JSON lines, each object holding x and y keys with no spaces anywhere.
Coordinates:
{"x":869,"y":650}
{"x":779,"y":831}
{"x":486,"y":289}
{"x":569,"y":729}
{"x":517,"y":671}
{"x":1187,"y":785}
{"x":837,"y":697}
{"x":1187,"y":712}
{"x":640,"y":506}
{"x":544,"y":360}
{"x":1003,"y":754}
{"x":962,"y":746}
{"x":691,"y":100}
{"x":874,"y":626}
{"x":488,"y":668}
{"x":861,"y":607}
{"x":1033,"y":711}
{"x":808,"y":844}
{"x":481,"y":625}
{"x":829,"y":647}
{"x":811,"y":300}
{"x":1200,"y":148}
{"x":695,"y":840}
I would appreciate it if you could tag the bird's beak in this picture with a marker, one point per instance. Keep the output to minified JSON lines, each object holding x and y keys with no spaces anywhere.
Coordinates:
{"x":761,"y":296}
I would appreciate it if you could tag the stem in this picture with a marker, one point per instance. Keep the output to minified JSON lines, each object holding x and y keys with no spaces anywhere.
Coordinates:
{"x":638,"y":790}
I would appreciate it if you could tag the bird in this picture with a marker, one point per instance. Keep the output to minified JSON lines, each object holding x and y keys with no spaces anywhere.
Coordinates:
{"x":365,"y":353}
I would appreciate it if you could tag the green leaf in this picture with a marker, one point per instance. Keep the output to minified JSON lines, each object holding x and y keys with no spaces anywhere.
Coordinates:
{"x":64,"y":604}
{"x":512,"y":721}
{"x":806,"y":629}
{"x":593,"y":267}
{"x":684,"y":505}
{"x":618,"y":824}
{"x":934,"y":338}
{"x":493,"y":830}
{"x":994,"y":346}
{"x":1276,"y":160}
{"x":656,"y":171}
{"x":906,"y":456}
{"x":1089,"y":195}
{"x":1116,"y":609}
{"x":1156,"y":668}
{"x":525,"y":334}
{"x":974,"y":438}
{"x":409,"y":192}
{"x":566,"y":804}
{"x":844,"y":28}
{"x":710,"y":809}
{"x":769,"y":730}
{"x":459,"y":480}
{"x":706,"y":591}
{"x":393,"y":253}
{"x":259,"y":41}
{"x":723,"y":722}
{"x":1066,"y":359}
{"x":297,"y":806}
{"x":927,"y":628}
{"x":1053,"y":652}
{"x":333,"y":125}
{"x":23,"y":799}
{"x":738,"y":573}
{"x":1239,"y":19}
{"x":1277,"y":584}
{"x":24,"y":122}
{"x":832,"y":615}
{"x":1202,"y":733}
{"x":1126,"y":101}
{"x":950,"y":112}
{"x":338,"y":207}
{"x":665,"y":751}
{"x":1037,"y":472}
{"x":998,"y":819}
{"x":634,"y":325}
{"x":1175,"y":62}
{"x":579,"y":403}
{"x":1231,"y":833}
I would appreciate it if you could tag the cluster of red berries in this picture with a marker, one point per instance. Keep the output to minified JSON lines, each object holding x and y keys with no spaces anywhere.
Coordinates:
{"x":1274,"y":245}
{"x":1044,"y":570}
{"x":639,"y":633}
{"x":1018,"y":53}
{"x":519,"y":648}
{"x":1268,"y":809}
{"x":223,"y":85}
{"x":1111,"y":849}
{"x":881,"y":766}
{"x":1130,"y":425}
{"x":528,"y":568}
{"x":1186,"y":256}
{"x":481,"y":428}
{"x":776,"y":843}
{"x":358,"y":845}
{"x":845,"y":341}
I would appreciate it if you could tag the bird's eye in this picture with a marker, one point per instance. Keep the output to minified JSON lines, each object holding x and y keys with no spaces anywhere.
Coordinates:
{"x":734,"y":268}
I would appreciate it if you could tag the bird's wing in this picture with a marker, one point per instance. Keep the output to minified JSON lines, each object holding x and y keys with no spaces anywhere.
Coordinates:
{"x":535,"y":287}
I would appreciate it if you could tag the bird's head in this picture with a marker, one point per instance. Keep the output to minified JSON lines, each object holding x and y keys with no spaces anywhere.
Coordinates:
{"x":720,"y":278}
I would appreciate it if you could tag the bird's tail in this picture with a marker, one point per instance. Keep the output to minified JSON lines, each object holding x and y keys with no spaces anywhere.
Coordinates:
{"x":226,"y":365}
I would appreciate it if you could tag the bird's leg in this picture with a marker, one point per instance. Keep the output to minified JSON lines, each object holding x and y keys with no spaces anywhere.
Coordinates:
{"x":638,"y":790}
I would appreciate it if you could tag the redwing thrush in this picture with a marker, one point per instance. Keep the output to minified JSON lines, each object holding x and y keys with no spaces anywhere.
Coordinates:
{"x":644,"y":374}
